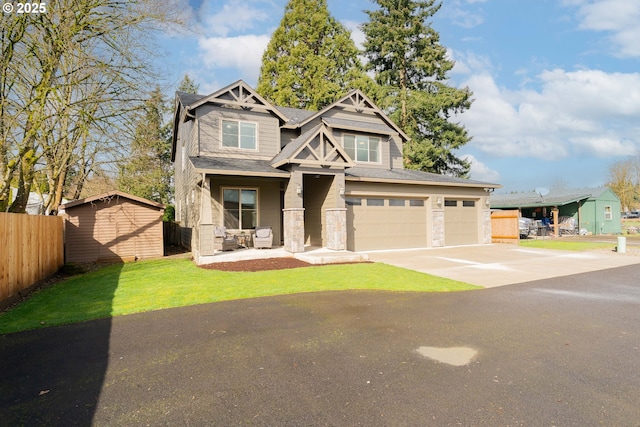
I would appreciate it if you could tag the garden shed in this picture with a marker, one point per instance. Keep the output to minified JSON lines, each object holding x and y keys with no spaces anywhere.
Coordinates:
{"x":113,"y":226}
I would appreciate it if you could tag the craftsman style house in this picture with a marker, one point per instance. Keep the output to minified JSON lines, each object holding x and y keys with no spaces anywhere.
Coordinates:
{"x":332,"y":178}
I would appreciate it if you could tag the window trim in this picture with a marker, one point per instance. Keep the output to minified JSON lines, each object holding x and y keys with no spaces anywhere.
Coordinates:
{"x":256,"y":189}
{"x":355,"y":148}
{"x":239,"y":122}
{"x":608,"y":216}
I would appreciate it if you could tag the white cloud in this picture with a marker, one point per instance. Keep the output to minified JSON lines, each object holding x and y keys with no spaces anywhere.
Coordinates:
{"x":235,"y":16}
{"x":481,"y":172}
{"x":589,"y":112}
{"x":242,"y":52}
{"x":464,"y":15}
{"x":618,"y":17}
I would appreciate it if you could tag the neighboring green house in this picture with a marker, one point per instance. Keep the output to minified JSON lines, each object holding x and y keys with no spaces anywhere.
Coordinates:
{"x":593,"y":210}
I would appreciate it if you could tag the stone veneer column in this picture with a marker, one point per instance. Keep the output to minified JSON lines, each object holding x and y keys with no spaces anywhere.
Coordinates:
{"x":486,"y":225}
{"x":437,"y":233}
{"x":336,"y":229}
{"x":293,"y":219}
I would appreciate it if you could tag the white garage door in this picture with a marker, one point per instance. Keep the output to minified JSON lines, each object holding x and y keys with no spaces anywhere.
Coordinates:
{"x":460,"y":222}
{"x":386,"y":223}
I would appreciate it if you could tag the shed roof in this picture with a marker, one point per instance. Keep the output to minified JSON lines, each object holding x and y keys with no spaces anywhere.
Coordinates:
{"x":109,"y":195}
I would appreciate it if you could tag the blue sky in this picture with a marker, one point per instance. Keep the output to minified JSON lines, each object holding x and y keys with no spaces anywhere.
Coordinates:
{"x":556,"y":83}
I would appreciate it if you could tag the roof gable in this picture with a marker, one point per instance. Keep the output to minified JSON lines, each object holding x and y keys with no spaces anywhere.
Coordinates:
{"x":239,"y":95}
{"x":105,"y":197}
{"x":316,"y":147}
{"x":358,"y":102}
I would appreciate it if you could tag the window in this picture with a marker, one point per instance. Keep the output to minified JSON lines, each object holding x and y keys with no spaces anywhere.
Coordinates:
{"x":239,"y":134}
{"x":451,"y":203}
{"x":608,"y":213}
{"x":396,"y":202}
{"x":240,"y":208}
{"x":469,"y":203}
{"x":416,"y":202}
{"x":350,"y":201}
{"x":375,"y":202}
{"x":362,"y":148}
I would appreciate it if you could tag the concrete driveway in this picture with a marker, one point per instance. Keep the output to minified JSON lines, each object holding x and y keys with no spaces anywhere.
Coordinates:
{"x":501,"y":264}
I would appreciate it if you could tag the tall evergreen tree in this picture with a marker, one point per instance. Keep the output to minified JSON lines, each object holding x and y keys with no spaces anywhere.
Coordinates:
{"x":147,"y":173}
{"x":311,"y":60}
{"x":187,"y":85}
{"x":411,"y":65}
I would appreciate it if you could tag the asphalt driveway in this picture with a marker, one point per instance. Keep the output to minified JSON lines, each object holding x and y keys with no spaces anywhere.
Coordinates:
{"x":501,"y":264}
{"x":562,"y":351}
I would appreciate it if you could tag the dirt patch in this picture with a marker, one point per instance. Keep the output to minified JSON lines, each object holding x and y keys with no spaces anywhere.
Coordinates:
{"x":258,"y":264}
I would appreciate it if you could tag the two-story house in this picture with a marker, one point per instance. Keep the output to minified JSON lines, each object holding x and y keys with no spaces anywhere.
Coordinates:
{"x":332,"y":178}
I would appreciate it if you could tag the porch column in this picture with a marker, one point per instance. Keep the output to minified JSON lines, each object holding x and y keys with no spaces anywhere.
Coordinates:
{"x":293,"y":213}
{"x":206,"y":220}
{"x":336,"y":222}
{"x":293,"y":219}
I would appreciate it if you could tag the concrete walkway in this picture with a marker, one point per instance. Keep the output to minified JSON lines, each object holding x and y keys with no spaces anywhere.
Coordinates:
{"x":501,"y":264}
{"x":311,"y":254}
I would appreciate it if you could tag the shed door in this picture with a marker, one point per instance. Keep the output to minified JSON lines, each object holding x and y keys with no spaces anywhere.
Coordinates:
{"x":386,"y":223}
{"x":460,"y":222}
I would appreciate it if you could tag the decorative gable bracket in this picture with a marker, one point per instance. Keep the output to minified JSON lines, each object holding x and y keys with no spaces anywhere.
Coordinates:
{"x":317,"y":147}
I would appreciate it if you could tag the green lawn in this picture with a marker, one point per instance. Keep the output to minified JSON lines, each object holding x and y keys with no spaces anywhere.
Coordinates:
{"x":122,"y":289}
{"x":566,"y":245}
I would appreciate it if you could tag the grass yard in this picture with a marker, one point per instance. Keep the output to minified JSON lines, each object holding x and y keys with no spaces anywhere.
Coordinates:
{"x":122,"y":289}
{"x":566,"y":245}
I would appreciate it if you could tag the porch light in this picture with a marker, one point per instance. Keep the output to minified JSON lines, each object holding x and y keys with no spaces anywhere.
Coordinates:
{"x":341,"y":191}
{"x":439,"y":202}
{"x":487,"y":202}
{"x":298,"y":190}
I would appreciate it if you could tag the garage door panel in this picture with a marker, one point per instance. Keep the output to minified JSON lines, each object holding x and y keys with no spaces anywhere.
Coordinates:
{"x":386,"y":227}
{"x":460,"y":222}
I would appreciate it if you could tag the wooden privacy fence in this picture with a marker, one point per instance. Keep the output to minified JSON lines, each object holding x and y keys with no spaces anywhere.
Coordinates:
{"x":505,"y":226}
{"x":31,"y":248}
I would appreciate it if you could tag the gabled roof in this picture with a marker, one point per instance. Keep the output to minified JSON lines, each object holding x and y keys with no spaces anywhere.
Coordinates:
{"x":353,"y":101}
{"x":239,"y":95}
{"x":555,"y":198}
{"x":316,"y":147}
{"x":108,"y":196}
{"x":236,"y":95}
{"x":411,"y":176}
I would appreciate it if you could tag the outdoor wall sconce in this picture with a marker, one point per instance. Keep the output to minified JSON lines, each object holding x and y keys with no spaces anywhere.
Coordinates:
{"x":487,"y":202}
{"x":439,"y":202}
{"x":341,"y":191}
{"x":298,"y":190}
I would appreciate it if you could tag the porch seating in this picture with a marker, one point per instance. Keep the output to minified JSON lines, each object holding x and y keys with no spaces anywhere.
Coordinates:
{"x":223,"y":241}
{"x":263,"y":237}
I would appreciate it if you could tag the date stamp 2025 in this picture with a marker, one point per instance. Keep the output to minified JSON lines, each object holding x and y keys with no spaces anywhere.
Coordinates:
{"x":24,"y":8}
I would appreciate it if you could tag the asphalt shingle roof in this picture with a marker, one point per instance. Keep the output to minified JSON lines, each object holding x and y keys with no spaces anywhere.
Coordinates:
{"x":409,"y":175}
{"x":240,"y":167}
{"x":556,"y":198}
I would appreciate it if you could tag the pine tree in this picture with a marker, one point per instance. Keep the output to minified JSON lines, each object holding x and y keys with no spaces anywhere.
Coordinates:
{"x":411,"y":65}
{"x":311,"y":60}
{"x":147,"y":173}
{"x":187,"y":85}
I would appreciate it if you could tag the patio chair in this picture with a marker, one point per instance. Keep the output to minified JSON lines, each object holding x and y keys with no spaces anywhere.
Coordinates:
{"x":222,"y":241}
{"x":263,"y":238}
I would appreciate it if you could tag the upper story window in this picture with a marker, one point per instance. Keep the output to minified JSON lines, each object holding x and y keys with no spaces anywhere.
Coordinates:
{"x":362,"y":148}
{"x":239,"y":134}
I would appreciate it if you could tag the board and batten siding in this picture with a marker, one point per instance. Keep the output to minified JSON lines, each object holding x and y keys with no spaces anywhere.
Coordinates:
{"x":117,"y":229}
{"x":209,"y":119}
